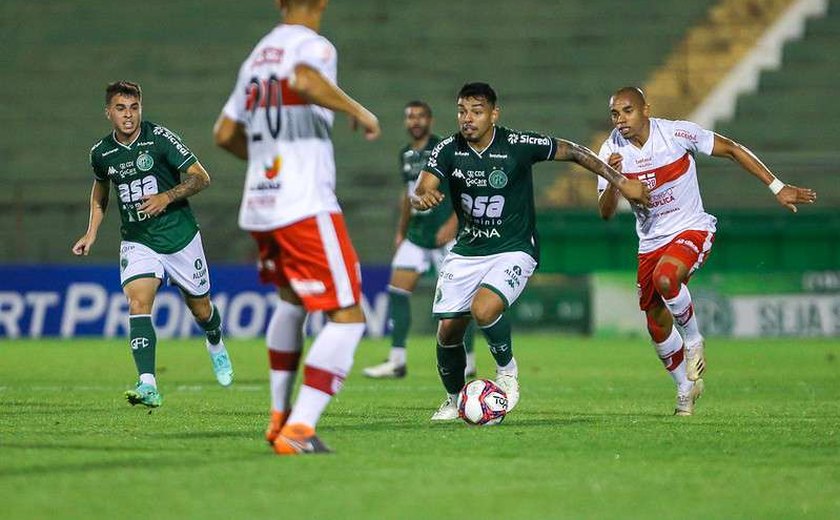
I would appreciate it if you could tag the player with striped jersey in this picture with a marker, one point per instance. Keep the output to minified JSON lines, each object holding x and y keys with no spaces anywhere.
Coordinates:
{"x":279,"y":118}
{"x":675,"y":234}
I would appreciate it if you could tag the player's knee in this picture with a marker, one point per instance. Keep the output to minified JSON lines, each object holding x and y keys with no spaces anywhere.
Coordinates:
{"x":485,"y":314}
{"x":449,"y":333}
{"x":666,"y":280}
{"x":140,"y":305}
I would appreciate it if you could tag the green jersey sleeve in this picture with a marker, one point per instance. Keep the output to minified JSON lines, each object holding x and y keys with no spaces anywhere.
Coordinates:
{"x":99,"y":172}
{"x":440,"y":160}
{"x":533,"y":146}
{"x":175,"y":152}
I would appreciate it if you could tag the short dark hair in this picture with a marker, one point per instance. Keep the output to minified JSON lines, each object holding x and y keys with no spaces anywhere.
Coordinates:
{"x":420,"y":104}
{"x":126,"y":88}
{"x":478,"y":90}
{"x":635,"y":92}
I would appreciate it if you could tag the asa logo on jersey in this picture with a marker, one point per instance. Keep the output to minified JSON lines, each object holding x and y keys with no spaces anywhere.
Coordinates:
{"x":144,"y":162}
{"x":498,"y":179}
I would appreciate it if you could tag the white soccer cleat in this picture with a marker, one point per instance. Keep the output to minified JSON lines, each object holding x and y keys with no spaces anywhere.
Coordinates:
{"x":685,"y":401}
{"x":386,"y":370}
{"x":695,"y":361}
{"x":448,"y":410}
{"x":510,"y":384}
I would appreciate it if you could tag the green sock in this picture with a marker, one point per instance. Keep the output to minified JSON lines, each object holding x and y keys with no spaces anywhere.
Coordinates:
{"x":469,"y":337}
{"x":143,"y":342}
{"x":451,"y":362}
{"x":498,"y":338}
{"x":213,"y":326}
{"x":399,"y":310}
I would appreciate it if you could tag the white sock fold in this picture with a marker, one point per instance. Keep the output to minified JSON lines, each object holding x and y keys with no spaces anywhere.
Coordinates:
{"x":682,"y":309}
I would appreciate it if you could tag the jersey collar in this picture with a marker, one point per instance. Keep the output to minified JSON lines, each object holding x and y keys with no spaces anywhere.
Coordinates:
{"x":129,"y":145}
{"x":479,"y":154}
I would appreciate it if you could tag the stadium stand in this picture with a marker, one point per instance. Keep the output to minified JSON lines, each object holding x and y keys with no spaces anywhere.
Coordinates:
{"x":553,"y":67}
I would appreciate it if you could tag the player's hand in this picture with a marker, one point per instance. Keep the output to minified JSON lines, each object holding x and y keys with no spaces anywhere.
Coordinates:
{"x":791,"y":195}
{"x":615,"y":161}
{"x":154,"y":205}
{"x":427,"y":200}
{"x":83,"y":245}
{"x":636,"y":192}
{"x":369,"y":123}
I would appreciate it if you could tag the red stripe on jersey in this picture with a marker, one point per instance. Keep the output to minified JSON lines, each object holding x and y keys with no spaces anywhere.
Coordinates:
{"x":266,"y":94}
{"x":290,"y":97}
{"x":664,"y":174}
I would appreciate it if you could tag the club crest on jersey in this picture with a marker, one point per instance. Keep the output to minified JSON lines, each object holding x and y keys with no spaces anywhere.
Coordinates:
{"x":648,"y":179}
{"x":498,"y":179}
{"x":144,"y":162}
{"x":274,"y":170}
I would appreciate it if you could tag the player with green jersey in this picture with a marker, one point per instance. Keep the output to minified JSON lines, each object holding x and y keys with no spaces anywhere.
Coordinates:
{"x":488,"y":171}
{"x":422,"y":240}
{"x":160,"y":235}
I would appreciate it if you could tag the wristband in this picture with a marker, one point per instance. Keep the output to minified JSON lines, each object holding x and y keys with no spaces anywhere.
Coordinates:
{"x":776,"y":186}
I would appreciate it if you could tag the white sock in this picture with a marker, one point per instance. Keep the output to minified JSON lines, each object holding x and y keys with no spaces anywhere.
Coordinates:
{"x":215,"y":349}
{"x":397,"y":356}
{"x":671,"y":353}
{"x":148,"y":379}
{"x":682,"y":309}
{"x":470,"y":361}
{"x":284,"y":335}
{"x":331,"y":353}
{"x":509,"y":370}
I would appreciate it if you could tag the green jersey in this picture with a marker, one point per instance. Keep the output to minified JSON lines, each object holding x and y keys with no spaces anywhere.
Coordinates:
{"x":493,"y":190}
{"x":151,"y":164}
{"x":422,"y":225}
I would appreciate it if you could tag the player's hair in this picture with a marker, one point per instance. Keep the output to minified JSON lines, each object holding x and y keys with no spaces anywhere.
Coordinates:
{"x":420,"y":104}
{"x":478,"y":90}
{"x":634,"y":92}
{"x":125,"y":88}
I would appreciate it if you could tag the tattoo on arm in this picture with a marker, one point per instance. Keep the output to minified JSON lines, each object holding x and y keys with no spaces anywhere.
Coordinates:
{"x":194,"y":183}
{"x":569,"y":151}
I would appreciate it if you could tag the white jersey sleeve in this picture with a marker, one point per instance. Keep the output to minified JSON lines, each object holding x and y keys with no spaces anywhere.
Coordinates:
{"x":693,"y":137}
{"x":604,"y":153}
{"x":319,"y":54}
{"x":234,"y":109}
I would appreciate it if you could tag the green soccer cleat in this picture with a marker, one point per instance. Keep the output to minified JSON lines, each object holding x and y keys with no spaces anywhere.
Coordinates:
{"x":144,"y":394}
{"x":221,"y":365}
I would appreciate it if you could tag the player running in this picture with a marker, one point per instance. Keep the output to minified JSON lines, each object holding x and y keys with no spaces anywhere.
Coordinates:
{"x":488,"y":168}
{"x":279,"y":118}
{"x":160,"y":235}
{"x":423,"y":238}
{"x":676,"y":235}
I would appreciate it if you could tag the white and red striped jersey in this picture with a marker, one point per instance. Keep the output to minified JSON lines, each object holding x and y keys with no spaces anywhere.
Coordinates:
{"x":666,"y":165}
{"x":291,"y":167}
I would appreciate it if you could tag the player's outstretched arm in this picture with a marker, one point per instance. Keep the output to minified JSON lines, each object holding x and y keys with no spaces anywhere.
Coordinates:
{"x":632,"y":189}
{"x":787,"y":195}
{"x":230,"y":135}
{"x":608,"y":199}
{"x":98,"y":205}
{"x":315,"y":87}
{"x":426,"y":194}
{"x":197,"y":179}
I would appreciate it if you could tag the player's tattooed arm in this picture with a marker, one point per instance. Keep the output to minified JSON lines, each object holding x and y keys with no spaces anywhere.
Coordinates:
{"x":197,"y":179}
{"x":633,"y":190}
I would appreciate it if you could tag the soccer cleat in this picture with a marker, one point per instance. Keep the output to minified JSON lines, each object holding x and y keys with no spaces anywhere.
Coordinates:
{"x":685,"y":402}
{"x":510,"y":384}
{"x":298,"y":439}
{"x":275,"y":424}
{"x":448,"y":410}
{"x":221,"y":364}
{"x":386,"y":370}
{"x":695,"y":358}
{"x":144,"y":394}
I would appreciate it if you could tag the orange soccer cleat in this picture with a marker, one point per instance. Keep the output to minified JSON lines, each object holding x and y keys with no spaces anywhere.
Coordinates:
{"x":278,"y":419}
{"x":298,"y":439}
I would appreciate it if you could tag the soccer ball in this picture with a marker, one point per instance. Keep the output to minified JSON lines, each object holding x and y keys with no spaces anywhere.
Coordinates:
{"x":481,"y":402}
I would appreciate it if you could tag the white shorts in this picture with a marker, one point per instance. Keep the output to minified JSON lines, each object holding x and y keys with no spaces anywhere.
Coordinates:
{"x":460,"y":277}
{"x":186,"y":269}
{"x":411,"y":257}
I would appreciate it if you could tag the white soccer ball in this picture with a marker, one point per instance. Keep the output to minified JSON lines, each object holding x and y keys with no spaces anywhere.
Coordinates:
{"x":482,"y":402}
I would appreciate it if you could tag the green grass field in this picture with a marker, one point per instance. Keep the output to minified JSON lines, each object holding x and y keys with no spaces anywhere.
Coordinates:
{"x":592,"y":437}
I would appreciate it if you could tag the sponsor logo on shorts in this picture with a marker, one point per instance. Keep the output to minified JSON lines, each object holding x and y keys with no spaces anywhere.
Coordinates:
{"x":198,"y":264}
{"x":498,"y":179}
{"x":308,"y":287}
{"x":123,"y":262}
{"x":688,"y":243}
{"x":439,"y":295}
{"x":144,"y":162}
